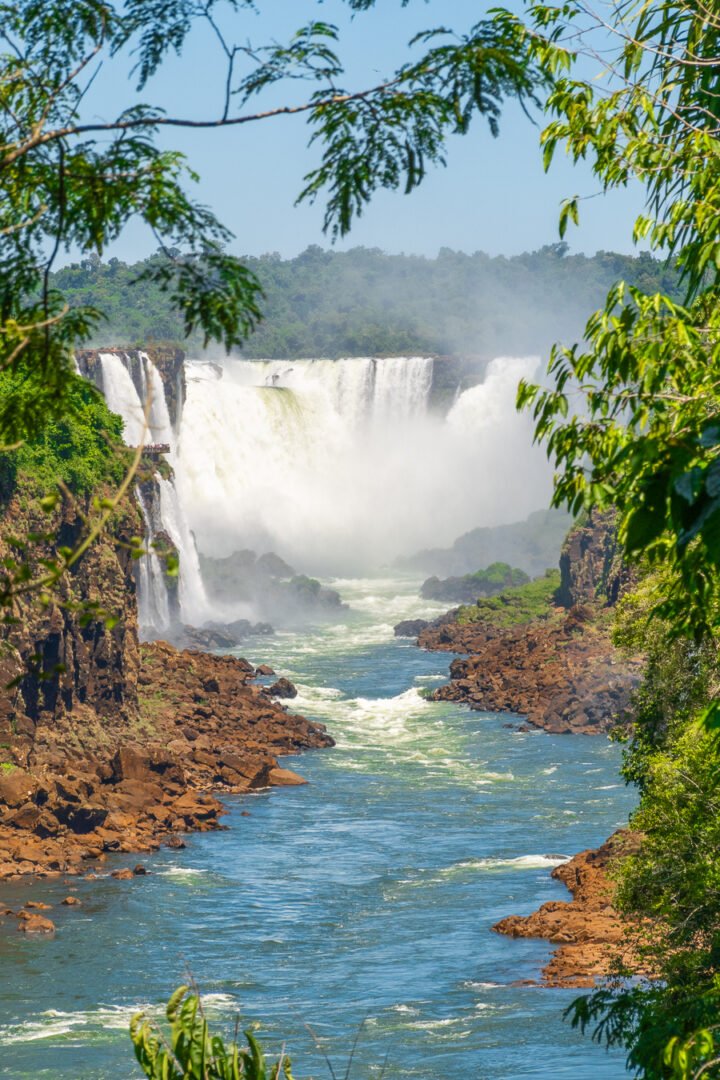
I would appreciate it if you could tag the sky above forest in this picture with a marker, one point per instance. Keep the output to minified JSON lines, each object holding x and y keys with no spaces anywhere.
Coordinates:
{"x":493,"y":195}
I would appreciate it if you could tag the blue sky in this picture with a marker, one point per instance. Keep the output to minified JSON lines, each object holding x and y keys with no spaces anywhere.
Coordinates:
{"x":492,"y":196}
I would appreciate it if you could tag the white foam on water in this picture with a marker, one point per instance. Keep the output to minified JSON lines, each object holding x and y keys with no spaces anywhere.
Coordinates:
{"x":54,"y":1023}
{"x":518,"y":862}
{"x":181,"y":871}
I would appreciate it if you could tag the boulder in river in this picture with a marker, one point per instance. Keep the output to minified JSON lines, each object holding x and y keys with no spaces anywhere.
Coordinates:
{"x":410,"y":627}
{"x":282,"y":688}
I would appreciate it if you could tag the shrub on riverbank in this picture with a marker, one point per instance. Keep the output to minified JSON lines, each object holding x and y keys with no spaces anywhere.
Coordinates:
{"x":534,"y":600}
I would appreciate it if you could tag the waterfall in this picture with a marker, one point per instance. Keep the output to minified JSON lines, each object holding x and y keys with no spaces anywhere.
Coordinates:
{"x":121,"y":392}
{"x":152,"y":592}
{"x":339,"y":465}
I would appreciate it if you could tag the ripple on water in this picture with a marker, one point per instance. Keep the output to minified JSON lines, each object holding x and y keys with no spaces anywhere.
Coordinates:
{"x":376,"y":883}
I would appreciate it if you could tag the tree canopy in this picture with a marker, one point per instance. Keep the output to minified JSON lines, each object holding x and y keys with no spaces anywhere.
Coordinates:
{"x":69,"y":179}
{"x":364,"y":302}
{"x":632,"y":417}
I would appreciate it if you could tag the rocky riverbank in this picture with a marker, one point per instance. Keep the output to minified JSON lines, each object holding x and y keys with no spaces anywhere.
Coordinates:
{"x":593,"y":940}
{"x":204,"y":727}
{"x":543,"y":651}
{"x":106,"y":744}
{"x":563,"y":676}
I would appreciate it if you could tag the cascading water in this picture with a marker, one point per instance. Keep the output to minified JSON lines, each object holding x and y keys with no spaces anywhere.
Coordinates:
{"x":121,"y":392}
{"x":152,"y":593}
{"x":339,"y":466}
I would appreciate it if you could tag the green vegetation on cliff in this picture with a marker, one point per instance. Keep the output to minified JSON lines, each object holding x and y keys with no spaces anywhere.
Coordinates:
{"x":81,"y":447}
{"x":534,"y":600}
{"x":365,"y":302}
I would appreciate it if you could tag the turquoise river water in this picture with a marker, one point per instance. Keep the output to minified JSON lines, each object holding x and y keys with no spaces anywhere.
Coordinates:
{"x":365,"y":898}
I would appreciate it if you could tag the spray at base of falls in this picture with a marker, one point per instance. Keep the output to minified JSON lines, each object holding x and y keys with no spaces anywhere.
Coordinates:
{"x":340,"y":465}
{"x":126,"y":382}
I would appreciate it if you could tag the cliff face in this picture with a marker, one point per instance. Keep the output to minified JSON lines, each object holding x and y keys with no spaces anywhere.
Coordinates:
{"x":169,"y":360}
{"x":99,"y":664}
{"x":106,"y":745}
{"x":591,"y":563}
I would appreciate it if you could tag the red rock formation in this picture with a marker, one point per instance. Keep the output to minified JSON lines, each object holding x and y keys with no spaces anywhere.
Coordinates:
{"x":592,"y":938}
{"x":561,"y":671}
{"x":202,"y":726}
{"x":565,"y":677}
{"x":124,"y":746}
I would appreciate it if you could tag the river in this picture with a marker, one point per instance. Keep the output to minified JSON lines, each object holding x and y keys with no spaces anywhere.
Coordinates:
{"x":364,"y":898}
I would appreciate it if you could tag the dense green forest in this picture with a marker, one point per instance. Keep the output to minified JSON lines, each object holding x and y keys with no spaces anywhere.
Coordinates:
{"x":364,"y":302}
{"x":80,"y":446}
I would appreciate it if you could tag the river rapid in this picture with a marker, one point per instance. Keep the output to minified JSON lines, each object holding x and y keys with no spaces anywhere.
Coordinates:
{"x":362,"y":899}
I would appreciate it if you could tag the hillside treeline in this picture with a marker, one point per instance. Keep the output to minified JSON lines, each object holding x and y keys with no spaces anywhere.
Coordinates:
{"x":364,"y":302}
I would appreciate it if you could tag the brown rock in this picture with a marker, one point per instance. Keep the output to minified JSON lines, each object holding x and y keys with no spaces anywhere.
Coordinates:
{"x":38,"y":904}
{"x":17,"y":787}
{"x":283,"y":688}
{"x":26,"y":817}
{"x":72,"y":901}
{"x":128,"y":764}
{"x":122,"y":875}
{"x":285,"y":778}
{"x":589,"y":931}
{"x":36,"y":924}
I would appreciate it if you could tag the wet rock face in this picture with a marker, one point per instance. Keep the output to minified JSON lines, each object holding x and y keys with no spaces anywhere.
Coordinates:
{"x":591,"y":564}
{"x":283,"y":688}
{"x":410,"y":627}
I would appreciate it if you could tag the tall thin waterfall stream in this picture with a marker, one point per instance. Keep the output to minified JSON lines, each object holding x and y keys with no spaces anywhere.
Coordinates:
{"x":362,"y":902}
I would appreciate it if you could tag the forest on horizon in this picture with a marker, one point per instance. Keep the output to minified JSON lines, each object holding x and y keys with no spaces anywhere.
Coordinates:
{"x":365,"y":302}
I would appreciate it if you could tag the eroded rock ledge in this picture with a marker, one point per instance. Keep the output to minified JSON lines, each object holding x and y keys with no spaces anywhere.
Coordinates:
{"x":588,"y":929}
{"x":565,"y":676}
{"x":556,"y":666}
{"x":77,"y":788}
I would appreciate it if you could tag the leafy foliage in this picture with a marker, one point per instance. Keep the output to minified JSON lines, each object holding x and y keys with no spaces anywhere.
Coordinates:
{"x":631,"y":418}
{"x":66,"y":181}
{"x":645,"y":434}
{"x":191,"y":1052}
{"x":79,"y":445}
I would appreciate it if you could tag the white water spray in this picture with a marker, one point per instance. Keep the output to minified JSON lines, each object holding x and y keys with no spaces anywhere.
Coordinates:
{"x":339,"y":466}
{"x":122,"y":396}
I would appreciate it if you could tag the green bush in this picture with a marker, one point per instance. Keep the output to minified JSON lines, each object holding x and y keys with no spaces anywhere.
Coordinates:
{"x":534,"y":600}
{"x":81,"y":446}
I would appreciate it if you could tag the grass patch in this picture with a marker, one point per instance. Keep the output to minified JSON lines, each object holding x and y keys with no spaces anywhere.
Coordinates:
{"x":7,"y":767}
{"x":521,"y":604}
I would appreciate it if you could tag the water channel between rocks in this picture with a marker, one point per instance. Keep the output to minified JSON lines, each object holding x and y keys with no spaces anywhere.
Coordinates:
{"x":364,"y":897}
